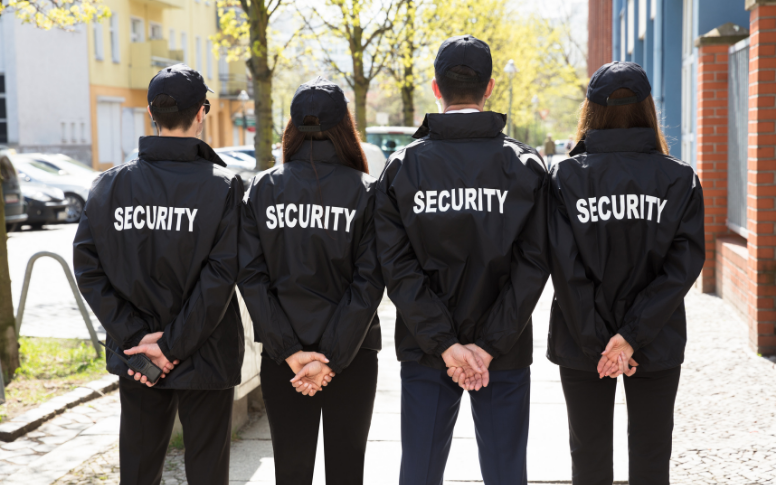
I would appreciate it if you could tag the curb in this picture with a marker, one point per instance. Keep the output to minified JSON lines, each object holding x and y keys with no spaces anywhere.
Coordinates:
{"x":30,"y":420}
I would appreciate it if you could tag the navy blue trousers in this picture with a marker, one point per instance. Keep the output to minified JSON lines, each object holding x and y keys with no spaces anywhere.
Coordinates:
{"x":430,"y":401}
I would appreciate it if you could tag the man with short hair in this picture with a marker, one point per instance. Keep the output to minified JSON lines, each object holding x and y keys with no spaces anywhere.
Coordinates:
{"x":155,"y":256}
{"x":461,"y":222}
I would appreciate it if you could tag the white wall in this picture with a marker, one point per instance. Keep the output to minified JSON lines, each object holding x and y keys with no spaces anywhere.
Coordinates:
{"x":51,"y":85}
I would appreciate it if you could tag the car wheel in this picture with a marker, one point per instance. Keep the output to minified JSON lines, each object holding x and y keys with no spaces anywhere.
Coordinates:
{"x":36,"y":227}
{"x":75,"y":206}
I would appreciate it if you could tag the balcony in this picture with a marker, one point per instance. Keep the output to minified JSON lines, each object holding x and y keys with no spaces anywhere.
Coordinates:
{"x":147,"y":58}
{"x":232,"y":84}
{"x":162,"y":3}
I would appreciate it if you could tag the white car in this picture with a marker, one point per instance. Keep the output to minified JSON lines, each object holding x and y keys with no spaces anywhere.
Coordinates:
{"x":375,"y":159}
{"x":75,"y":186}
{"x":390,"y":138}
{"x":66,"y":165}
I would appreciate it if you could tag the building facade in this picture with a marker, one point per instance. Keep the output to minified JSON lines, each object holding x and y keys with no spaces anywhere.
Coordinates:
{"x":44,"y":89}
{"x":712,"y":65}
{"x":126,"y":51}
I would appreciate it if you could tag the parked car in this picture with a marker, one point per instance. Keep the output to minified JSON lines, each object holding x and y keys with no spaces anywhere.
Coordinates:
{"x":75,"y":187}
{"x":235,"y":160}
{"x":15,"y":212}
{"x":45,"y":204}
{"x":66,"y":165}
{"x":390,"y":138}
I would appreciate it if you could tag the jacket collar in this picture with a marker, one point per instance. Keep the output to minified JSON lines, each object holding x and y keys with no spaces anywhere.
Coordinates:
{"x":322,"y":151}
{"x":175,"y":149}
{"x":439,"y":126}
{"x":617,"y":140}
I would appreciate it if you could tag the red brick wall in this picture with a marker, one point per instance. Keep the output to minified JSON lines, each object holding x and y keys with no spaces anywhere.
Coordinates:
{"x":761,"y":210}
{"x":731,"y":268}
{"x":599,"y":34}
{"x":712,"y":153}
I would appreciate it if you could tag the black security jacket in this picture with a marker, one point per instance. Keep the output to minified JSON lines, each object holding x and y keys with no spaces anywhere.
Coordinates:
{"x":626,"y":230}
{"x":309,"y":271}
{"x":169,"y":263}
{"x":461,"y":217}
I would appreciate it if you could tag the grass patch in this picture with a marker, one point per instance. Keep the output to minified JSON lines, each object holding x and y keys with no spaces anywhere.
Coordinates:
{"x":176,"y":442}
{"x":49,"y":367}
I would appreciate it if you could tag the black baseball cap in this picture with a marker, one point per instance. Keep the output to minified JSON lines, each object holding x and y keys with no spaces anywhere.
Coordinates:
{"x":615,"y":75}
{"x":320,"y":98}
{"x":464,"y":50}
{"x":180,"y":82}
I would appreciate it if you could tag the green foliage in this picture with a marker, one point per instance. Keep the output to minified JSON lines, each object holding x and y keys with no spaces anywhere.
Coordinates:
{"x":48,"y":358}
{"x":176,"y":442}
{"x":62,"y":14}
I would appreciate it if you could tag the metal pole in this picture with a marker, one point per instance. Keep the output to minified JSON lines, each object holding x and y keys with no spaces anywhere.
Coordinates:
{"x":73,"y":287}
{"x":509,"y":119}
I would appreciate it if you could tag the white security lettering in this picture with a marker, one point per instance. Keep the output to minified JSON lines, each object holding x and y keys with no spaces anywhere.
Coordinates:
{"x":501,"y":200}
{"x":621,"y":213}
{"x":304,"y":220}
{"x":641,"y":206}
{"x":479,"y":199}
{"x":317,"y":214}
{"x":191,"y":215}
{"x":326,"y":218}
{"x":336,"y":211}
{"x":457,"y":207}
{"x":127,"y":218}
{"x":138,"y":224}
{"x":582,"y":209}
{"x":431,"y":200}
{"x":150,"y":220}
{"x":651,"y":201}
{"x":489,"y":193}
{"x":179,"y":211}
{"x":633,"y":206}
{"x":471,"y":198}
{"x":169,"y":218}
{"x":593,"y":209}
{"x":289,"y":209}
{"x":279,"y":208}
{"x":419,"y":204}
{"x":603,"y":215}
{"x":444,"y":194}
{"x":119,"y":224}
{"x":162,"y":222}
{"x":660,"y":206}
{"x":349,"y":215}
{"x":272,"y":221}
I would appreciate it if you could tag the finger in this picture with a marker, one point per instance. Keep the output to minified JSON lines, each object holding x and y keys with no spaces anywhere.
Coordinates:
{"x":475,"y":362}
{"x":633,"y":363}
{"x":601,"y":364}
{"x":300,"y":375}
{"x":130,"y":372}
{"x":486,"y":378}
{"x":177,"y":362}
{"x":136,"y":350}
{"x":451,"y":372}
{"x":138,"y":376}
{"x":319,"y":357}
{"x":144,"y":379}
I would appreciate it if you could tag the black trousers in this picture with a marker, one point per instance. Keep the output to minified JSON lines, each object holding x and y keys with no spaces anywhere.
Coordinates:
{"x":147,"y":418}
{"x":650,"y":398}
{"x":346,"y":403}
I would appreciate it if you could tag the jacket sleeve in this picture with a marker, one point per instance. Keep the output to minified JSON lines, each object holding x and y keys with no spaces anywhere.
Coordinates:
{"x":574,"y":292}
{"x":270,"y":323}
{"x":511,"y":314}
{"x":122,"y":321}
{"x":353,"y":317}
{"x":204,"y":309}
{"x":424,"y":314}
{"x":683,"y":263}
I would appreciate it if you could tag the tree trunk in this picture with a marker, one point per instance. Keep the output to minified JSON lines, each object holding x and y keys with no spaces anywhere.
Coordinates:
{"x":262,"y":84}
{"x":359,"y":91}
{"x":9,"y":347}
{"x":408,"y":104}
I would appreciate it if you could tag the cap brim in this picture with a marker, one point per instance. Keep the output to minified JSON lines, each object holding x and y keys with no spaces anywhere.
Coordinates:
{"x":208,"y":88}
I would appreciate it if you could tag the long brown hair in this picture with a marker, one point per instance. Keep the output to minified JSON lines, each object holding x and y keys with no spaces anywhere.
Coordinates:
{"x":594,"y":116}
{"x":344,"y":136}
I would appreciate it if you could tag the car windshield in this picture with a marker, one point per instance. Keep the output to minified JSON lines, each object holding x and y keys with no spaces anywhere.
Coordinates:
{"x":43,"y":166}
{"x":389,"y":142}
{"x":72,"y":165}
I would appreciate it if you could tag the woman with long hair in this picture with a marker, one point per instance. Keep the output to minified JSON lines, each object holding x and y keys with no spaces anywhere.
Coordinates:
{"x":627,"y":243}
{"x":312,"y":283}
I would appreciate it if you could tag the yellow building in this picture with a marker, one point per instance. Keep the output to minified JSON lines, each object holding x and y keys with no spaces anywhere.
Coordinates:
{"x":127,"y":50}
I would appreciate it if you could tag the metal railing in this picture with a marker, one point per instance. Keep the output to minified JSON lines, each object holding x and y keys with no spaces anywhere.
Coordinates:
{"x":73,"y":287}
{"x":738,"y":136}
{"x":232,"y":84}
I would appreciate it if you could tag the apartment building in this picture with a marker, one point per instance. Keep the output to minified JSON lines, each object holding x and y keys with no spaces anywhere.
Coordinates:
{"x":124,"y":53}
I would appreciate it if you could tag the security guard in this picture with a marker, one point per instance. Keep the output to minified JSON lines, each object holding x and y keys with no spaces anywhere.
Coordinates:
{"x":155,"y":256}
{"x":626,"y":230}
{"x":461,"y":223}
{"x":312,"y":283}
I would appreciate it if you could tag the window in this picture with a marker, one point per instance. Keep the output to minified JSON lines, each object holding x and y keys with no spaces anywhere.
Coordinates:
{"x":185,"y":47}
{"x":3,"y":112}
{"x":114,"y":38}
{"x":198,"y":51}
{"x":99,"y":46}
{"x":136,"y":34}
{"x":155,"y":31}
{"x":631,"y":26}
{"x":642,"y":18}
{"x":687,"y":37}
{"x":73,"y":134}
{"x":83,"y":132}
{"x":172,"y":39}
{"x":209,"y":59}
{"x":64,"y":131}
{"x":653,"y":9}
{"x":109,"y":131}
